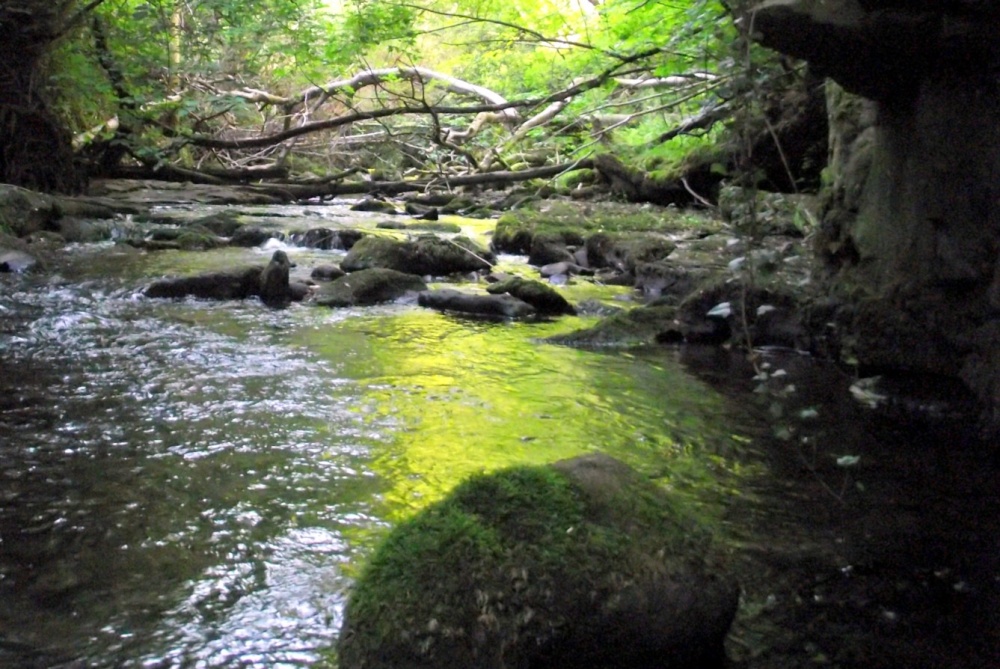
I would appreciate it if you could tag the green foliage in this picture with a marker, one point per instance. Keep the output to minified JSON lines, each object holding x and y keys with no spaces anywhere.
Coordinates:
{"x":182,"y":76}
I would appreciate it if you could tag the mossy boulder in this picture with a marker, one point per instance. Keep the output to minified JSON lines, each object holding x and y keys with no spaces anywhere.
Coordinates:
{"x":252,"y":235}
{"x":188,"y":238}
{"x":583,"y":563}
{"x":542,"y":297}
{"x":368,"y":286}
{"x":375,"y":206}
{"x":517,"y":227}
{"x":636,"y":327}
{"x":523,"y":234}
{"x":427,"y":255}
{"x":502,"y":306}
{"x":23,"y":212}
{"x":223,"y":223}
{"x":624,"y":252}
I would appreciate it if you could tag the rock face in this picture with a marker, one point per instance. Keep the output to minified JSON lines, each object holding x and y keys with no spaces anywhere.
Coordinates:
{"x":912,"y":218}
{"x":580,"y":564}
{"x":369,"y":286}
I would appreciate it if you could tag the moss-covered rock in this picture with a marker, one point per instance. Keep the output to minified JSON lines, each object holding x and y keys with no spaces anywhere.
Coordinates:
{"x":424,"y":256}
{"x":636,"y":327}
{"x":23,"y":212}
{"x":502,"y":306}
{"x":624,"y":252}
{"x":368,"y":286}
{"x":375,"y":206}
{"x":223,"y":223}
{"x":583,"y":563}
{"x":542,"y":297}
{"x":571,"y":222}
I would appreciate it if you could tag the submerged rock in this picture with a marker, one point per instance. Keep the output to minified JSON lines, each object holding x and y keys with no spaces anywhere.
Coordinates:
{"x":369,"y":286}
{"x":505,"y":306}
{"x":583,"y":563}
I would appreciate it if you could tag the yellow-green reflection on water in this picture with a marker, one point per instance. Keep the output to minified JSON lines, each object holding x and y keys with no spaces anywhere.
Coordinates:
{"x":466,"y":396}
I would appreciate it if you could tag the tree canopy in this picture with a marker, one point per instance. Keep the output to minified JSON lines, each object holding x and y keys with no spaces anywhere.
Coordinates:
{"x":445,"y":87}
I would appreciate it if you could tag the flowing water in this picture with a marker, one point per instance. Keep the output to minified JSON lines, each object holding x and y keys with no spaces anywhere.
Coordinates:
{"x":195,"y":484}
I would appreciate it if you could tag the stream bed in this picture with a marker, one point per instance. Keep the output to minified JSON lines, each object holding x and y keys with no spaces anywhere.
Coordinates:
{"x":196,"y":484}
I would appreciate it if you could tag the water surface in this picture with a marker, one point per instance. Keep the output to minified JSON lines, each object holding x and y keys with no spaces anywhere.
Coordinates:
{"x":194,"y":484}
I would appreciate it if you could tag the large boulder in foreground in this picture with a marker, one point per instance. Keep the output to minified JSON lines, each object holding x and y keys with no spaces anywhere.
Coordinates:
{"x":367,"y":287}
{"x":425,"y":256}
{"x":583,"y":563}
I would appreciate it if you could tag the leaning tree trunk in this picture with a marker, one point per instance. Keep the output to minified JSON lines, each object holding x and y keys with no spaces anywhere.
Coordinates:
{"x":35,"y":149}
{"x":913,"y":214}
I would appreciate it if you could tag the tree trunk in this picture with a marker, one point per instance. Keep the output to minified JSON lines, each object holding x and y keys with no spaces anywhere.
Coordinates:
{"x":35,"y":149}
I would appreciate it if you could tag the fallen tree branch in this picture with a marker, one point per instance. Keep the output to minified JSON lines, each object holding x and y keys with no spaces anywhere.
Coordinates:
{"x":373,"y":77}
{"x":307,"y":192}
{"x":356,"y":116}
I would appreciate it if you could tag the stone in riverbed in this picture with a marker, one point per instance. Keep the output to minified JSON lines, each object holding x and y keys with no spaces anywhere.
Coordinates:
{"x":327,"y":272}
{"x":542,"y":297}
{"x":425,"y":256}
{"x":505,"y":306}
{"x":16,"y":261}
{"x":232,"y":285}
{"x":369,"y":286}
{"x":583,"y":563}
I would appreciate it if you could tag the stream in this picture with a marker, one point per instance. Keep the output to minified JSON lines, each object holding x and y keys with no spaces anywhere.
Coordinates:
{"x":196,"y":484}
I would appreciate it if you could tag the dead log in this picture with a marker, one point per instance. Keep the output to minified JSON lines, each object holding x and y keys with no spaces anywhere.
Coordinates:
{"x":292,"y":191}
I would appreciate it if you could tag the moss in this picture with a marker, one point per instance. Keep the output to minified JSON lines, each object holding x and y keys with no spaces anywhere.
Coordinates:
{"x":435,"y":226}
{"x":423,"y":256}
{"x":575,"y":178}
{"x":516,"y":229}
{"x":539,"y":295}
{"x":632,"y":328}
{"x":506,"y":546}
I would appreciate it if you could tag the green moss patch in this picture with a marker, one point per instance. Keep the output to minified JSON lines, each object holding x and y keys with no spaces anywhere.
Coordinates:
{"x":510,"y":560}
{"x":572,"y":221}
{"x":636,"y":327}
